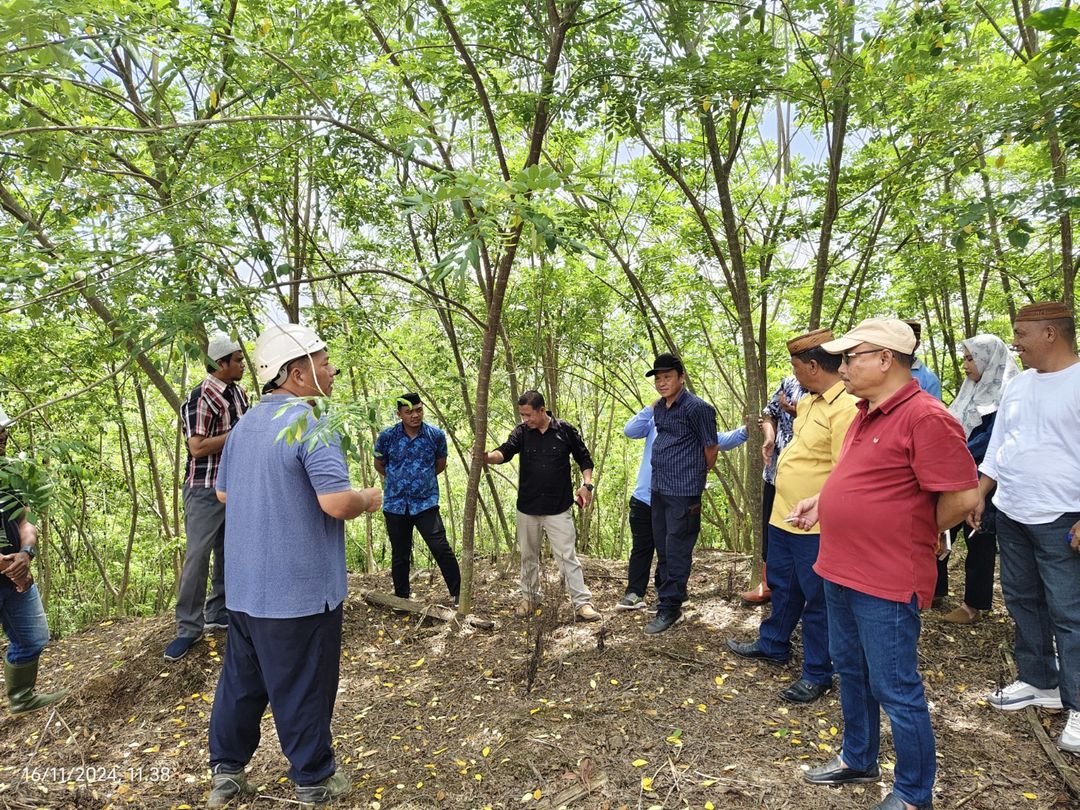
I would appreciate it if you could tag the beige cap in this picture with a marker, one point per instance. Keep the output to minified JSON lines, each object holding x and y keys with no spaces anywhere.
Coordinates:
{"x":888,"y":333}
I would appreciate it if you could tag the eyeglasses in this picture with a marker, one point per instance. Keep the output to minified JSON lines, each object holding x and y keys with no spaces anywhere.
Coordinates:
{"x":848,"y":355}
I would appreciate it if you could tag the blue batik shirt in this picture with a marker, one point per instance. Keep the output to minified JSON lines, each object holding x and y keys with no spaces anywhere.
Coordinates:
{"x":411,"y":485}
{"x":785,"y":422}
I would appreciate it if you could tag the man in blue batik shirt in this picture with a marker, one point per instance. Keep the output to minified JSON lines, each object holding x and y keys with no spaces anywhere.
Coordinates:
{"x":409,"y":456}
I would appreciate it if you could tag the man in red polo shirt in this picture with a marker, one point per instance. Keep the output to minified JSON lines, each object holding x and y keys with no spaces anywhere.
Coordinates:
{"x":904,"y":474}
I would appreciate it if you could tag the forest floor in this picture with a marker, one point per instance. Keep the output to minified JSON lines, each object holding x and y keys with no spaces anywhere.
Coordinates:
{"x":591,"y":716}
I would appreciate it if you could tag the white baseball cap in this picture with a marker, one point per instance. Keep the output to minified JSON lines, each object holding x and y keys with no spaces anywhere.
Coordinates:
{"x":4,"y":419}
{"x":221,"y":346}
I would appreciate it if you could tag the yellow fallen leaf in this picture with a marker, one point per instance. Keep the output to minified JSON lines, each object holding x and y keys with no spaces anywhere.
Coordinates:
{"x":486,"y":751}
{"x":709,"y":806}
{"x":638,"y":763}
{"x":1030,"y":796}
{"x":537,"y":793}
{"x":646,"y":783}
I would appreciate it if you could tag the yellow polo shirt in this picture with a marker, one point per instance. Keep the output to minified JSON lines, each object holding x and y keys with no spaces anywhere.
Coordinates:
{"x":821,"y":422}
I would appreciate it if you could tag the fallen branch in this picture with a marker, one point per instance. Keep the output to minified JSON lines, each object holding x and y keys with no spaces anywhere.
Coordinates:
{"x":442,"y":614}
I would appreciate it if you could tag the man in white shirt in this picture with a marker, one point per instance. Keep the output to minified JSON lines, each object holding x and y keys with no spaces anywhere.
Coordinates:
{"x":1033,"y":460}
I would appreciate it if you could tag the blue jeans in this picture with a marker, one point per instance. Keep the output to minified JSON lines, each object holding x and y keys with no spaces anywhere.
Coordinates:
{"x":23,"y":619}
{"x":874,"y":649}
{"x":797,"y":592}
{"x":676,"y":523}
{"x":1040,"y":579}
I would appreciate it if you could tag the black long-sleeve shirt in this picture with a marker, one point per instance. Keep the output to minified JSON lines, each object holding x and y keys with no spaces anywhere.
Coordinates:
{"x":544,"y":485}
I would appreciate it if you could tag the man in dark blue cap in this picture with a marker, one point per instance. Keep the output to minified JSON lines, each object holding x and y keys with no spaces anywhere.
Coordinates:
{"x":683,"y":453}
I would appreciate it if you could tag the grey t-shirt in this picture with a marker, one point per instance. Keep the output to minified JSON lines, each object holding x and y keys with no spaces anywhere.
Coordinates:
{"x":284,"y":556}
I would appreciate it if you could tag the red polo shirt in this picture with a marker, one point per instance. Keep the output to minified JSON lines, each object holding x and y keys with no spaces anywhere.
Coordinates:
{"x":878,"y":507}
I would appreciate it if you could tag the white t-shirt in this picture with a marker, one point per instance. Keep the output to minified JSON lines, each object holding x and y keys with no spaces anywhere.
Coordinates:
{"x":1034,"y":451}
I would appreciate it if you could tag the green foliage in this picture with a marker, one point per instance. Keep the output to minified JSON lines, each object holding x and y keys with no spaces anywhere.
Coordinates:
{"x":168,"y":170}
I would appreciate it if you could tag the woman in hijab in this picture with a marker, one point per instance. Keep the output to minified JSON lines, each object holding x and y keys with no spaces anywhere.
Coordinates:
{"x":988,"y":367}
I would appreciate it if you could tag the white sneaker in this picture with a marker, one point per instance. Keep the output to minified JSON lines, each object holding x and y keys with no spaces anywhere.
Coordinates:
{"x":1070,"y":735}
{"x":1020,"y":695}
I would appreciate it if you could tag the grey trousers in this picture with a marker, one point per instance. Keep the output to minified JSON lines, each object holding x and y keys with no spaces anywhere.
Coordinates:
{"x":562,"y":536}
{"x":204,"y":523}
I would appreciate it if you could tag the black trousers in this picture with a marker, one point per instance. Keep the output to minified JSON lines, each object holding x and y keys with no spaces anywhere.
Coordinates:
{"x":978,"y":569}
{"x":292,"y":664}
{"x":641,"y":550}
{"x":429,"y":523}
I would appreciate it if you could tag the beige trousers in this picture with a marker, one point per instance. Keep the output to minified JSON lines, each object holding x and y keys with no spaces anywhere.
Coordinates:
{"x":562,"y":536}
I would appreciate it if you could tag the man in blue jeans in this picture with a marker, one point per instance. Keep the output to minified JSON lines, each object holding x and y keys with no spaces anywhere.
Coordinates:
{"x":1034,"y":463}
{"x":798,"y":594}
{"x":21,"y":612}
{"x":905,"y":473}
{"x":410,"y":456}
{"x":683,"y":453}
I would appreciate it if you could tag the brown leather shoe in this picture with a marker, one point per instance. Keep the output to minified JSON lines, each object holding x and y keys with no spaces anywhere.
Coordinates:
{"x":760,"y":595}
{"x":586,"y":613}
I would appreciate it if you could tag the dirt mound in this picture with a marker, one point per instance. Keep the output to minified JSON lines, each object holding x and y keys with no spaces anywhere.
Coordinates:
{"x":536,"y":713}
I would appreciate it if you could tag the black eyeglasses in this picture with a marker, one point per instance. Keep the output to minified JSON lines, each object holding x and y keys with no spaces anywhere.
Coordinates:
{"x":848,"y":355}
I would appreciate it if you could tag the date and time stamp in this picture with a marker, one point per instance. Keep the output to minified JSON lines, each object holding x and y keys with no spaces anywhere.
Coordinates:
{"x":97,"y":774}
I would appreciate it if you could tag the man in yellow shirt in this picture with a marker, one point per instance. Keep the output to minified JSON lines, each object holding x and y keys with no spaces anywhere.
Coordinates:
{"x":821,"y":422}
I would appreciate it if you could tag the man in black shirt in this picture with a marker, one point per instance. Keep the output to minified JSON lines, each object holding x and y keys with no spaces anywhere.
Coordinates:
{"x":21,"y":612}
{"x":545,"y":500}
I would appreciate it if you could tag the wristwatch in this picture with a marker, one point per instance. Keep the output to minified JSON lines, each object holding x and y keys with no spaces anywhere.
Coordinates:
{"x":30,"y":551}
{"x":589,"y":487}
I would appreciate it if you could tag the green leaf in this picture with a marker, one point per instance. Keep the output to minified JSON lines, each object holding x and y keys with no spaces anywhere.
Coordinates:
{"x":1050,"y":19}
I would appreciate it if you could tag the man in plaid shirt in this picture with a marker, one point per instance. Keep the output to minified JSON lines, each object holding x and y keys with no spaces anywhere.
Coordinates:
{"x":207,"y":415}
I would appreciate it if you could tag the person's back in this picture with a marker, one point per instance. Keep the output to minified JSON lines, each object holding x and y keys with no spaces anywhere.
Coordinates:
{"x":289,"y":560}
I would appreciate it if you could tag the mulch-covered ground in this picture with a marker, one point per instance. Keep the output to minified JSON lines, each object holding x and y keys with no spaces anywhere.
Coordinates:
{"x":536,"y":713}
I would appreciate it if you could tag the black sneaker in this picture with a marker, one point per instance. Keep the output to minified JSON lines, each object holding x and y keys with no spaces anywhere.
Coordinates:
{"x":179,"y":647}
{"x":662,"y":622}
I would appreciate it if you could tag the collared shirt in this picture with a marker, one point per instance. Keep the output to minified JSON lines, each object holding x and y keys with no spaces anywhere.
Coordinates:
{"x":821,"y":424}
{"x":927,"y":379}
{"x":641,"y":426}
{"x":411,"y":485}
{"x":1033,"y":452}
{"x":683,"y":431}
{"x":284,"y":556}
{"x":544,"y":486}
{"x":878,"y":508}
{"x":212,"y":408}
{"x":793,"y":392}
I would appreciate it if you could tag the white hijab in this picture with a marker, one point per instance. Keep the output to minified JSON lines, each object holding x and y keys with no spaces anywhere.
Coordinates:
{"x":977,"y":399}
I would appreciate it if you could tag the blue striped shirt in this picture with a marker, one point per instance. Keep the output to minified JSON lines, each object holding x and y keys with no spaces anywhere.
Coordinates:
{"x":683,"y":431}
{"x":641,"y":426}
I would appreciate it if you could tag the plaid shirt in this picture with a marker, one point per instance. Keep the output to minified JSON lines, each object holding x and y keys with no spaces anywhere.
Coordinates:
{"x":212,"y":408}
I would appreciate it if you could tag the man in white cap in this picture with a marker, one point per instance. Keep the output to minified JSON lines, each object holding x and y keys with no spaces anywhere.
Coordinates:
{"x":21,"y":612}
{"x":210,"y":411}
{"x":285,"y":574}
{"x":903,"y":475}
